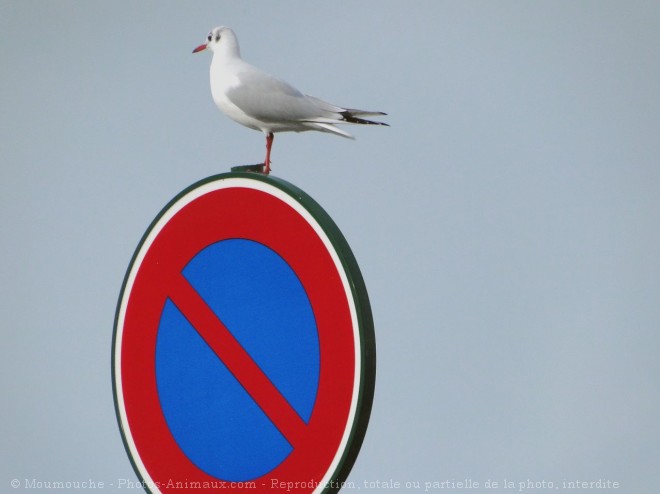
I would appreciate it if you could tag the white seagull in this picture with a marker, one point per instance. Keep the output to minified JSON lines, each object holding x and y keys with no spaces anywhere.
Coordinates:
{"x":262,"y":102}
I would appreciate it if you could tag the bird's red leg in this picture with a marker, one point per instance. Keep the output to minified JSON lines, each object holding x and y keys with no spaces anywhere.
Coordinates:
{"x":269,"y":144}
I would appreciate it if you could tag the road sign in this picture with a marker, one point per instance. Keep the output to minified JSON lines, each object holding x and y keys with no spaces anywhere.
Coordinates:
{"x":243,"y":351}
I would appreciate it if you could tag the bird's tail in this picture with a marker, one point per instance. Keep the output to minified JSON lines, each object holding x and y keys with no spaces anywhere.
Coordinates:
{"x":337,"y":115}
{"x":351,"y":116}
{"x":329,"y":127}
{"x":347,"y":115}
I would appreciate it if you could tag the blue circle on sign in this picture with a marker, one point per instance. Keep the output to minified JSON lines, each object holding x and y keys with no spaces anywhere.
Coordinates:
{"x":260,"y":300}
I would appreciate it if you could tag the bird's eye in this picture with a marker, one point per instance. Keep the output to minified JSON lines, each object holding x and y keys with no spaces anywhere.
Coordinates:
{"x":209,"y":37}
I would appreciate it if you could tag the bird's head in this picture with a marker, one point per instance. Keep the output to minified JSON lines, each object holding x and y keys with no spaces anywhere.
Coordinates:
{"x":220,"y":39}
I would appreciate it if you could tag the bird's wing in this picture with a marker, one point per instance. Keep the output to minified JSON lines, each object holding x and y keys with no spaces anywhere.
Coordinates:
{"x":266,"y":98}
{"x":271,"y":100}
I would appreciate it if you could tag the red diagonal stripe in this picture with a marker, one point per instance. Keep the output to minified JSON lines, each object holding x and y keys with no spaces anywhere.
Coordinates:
{"x":237,"y":360}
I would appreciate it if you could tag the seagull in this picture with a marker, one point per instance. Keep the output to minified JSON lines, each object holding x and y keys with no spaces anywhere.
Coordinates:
{"x":262,"y":102}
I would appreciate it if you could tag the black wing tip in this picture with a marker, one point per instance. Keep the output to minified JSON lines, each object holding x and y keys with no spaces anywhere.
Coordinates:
{"x":347,"y":116}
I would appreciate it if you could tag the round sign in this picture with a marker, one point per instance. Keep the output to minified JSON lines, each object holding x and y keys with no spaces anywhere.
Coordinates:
{"x":243,"y":352}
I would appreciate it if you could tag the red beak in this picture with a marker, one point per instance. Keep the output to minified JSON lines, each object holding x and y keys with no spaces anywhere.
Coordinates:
{"x":199,"y":48}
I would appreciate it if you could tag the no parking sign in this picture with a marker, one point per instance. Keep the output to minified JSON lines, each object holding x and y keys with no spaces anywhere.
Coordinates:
{"x":243,"y":352}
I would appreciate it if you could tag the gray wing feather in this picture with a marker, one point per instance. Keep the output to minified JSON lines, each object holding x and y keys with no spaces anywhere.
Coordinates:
{"x":269,"y":99}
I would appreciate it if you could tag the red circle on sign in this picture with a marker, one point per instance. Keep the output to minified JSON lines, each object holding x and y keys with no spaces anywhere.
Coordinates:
{"x":231,"y":207}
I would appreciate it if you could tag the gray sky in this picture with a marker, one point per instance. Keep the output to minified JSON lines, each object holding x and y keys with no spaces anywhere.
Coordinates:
{"x":507,"y":223}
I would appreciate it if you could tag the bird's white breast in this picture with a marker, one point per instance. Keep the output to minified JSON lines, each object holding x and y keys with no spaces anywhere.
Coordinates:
{"x":224,"y":77}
